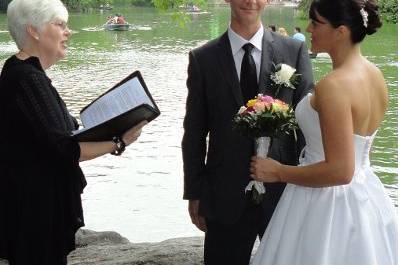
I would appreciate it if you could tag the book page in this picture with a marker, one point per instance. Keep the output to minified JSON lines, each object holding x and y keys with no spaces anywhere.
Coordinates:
{"x":117,"y":101}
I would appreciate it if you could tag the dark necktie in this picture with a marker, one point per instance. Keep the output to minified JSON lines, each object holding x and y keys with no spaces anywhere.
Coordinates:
{"x":248,"y":74}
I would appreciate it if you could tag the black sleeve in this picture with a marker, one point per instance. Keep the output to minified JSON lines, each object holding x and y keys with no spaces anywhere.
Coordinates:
{"x":195,"y":132}
{"x":47,"y":118}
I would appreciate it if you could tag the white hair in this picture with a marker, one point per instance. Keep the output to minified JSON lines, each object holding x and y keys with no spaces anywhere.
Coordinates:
{"x":21,"y":13}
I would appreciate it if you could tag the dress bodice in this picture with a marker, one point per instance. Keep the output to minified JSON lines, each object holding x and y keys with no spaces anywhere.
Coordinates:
{"x":308,"y":120}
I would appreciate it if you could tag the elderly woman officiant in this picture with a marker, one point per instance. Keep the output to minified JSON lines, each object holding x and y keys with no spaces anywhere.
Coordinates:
{"x":40,"y":177}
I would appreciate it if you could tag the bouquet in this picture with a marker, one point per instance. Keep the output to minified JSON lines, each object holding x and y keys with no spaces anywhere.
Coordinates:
{"x":265,"y":117}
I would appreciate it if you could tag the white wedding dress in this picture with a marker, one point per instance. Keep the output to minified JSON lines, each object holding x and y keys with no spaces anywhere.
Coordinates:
{"x":354,"y":224}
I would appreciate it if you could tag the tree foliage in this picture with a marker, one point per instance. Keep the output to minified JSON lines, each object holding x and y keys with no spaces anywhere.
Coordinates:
{"x":85,"y":4}
{"x":304,"y":7}
{"x":177,"y":7}
{"x":389,"y":10}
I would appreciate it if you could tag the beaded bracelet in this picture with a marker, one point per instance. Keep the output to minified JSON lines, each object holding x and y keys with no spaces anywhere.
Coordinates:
{"x":120,"y":146}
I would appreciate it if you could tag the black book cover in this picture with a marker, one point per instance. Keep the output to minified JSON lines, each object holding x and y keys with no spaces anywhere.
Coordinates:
{"x":119,"y":124}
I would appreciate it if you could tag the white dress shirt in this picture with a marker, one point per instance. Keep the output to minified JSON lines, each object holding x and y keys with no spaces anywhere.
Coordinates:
{"x":236,"y":45}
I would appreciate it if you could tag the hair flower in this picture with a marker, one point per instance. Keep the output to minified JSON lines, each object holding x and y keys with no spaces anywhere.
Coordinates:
{"x":364,"y":15}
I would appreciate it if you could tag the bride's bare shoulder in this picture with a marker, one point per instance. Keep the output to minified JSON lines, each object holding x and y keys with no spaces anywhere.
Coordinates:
{"x":376,"y":74}
{"x":331,"y":82}
{"x":351,"y":78}
{"x":332,"y":90}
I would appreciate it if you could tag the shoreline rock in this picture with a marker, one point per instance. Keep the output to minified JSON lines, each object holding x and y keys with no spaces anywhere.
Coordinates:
{"x":110,"y":248}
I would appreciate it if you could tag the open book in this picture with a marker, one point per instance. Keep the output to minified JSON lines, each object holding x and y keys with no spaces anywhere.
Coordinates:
{"x":117,"y":110}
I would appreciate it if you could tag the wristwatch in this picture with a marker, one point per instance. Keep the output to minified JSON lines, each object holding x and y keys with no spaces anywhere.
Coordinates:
{"x":120,"y":146}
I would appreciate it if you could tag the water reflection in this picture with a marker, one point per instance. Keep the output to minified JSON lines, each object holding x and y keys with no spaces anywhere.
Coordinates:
{"x":140,"y":193}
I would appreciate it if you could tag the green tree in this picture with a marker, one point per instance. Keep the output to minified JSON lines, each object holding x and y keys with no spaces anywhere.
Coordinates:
{"x":85,"y":4}
{"x":304,"y":7}
{"x":178,"y":14}
{"x":175,"y":5}
{"x":389,"y":10}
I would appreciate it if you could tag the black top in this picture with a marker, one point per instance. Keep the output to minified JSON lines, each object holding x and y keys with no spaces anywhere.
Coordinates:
{"x":40,"y":178}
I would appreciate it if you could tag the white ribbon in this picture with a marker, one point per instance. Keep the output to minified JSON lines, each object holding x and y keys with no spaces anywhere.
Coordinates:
{"x":257,"y":185}
{"x":262,"y":145}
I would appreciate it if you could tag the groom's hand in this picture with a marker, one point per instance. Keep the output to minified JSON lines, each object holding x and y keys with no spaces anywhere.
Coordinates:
{"x":199,"y":221}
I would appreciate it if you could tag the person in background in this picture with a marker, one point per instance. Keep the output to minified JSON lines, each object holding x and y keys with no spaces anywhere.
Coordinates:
{"x":222,"y":76}
{"x":272,"y":28}
{"x":121,"y":20}
{"x":40,"y":177}
{"x":283,"y":32}
{"x":298,"y":35}
{"x":109,"y":20}
{"x":116,"y":18}
{"x":334,"y":209}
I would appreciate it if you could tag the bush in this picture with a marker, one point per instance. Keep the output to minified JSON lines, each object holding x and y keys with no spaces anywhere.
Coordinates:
{"x":389,"y":10}
{"x":142,"y":2}
{"x":85,"y":4}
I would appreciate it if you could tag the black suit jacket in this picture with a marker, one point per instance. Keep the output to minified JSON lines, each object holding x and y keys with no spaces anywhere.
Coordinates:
{"x":216,"y":158}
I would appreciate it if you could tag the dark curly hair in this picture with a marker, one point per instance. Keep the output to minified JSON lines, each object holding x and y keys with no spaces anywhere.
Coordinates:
{"x":347,"y":13}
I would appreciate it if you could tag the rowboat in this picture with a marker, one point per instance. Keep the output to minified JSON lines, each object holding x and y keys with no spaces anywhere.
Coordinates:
{"x":105,"y":7}
{"x":117,"y":27}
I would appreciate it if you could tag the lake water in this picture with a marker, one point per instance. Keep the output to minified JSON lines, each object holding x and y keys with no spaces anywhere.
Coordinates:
{"x":140,"y":194}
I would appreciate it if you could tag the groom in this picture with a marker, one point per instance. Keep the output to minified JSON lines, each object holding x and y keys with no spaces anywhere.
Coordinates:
{"x":216,"y":170}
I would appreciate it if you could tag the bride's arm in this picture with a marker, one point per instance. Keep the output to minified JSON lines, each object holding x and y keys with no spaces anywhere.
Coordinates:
{"x":333,"y":104}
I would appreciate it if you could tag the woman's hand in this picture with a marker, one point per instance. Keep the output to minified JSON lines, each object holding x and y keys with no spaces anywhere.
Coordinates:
{"x":91,"y":150}
{"x":133,"y":133}
{"x":265,"y":170}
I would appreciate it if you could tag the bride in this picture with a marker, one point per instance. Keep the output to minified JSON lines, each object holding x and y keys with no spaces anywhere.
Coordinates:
{"x":334,"y":210}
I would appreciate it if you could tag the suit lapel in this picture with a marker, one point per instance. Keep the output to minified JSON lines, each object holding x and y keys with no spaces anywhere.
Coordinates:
{"x":228,"y":68}
{"x":267,"y":59}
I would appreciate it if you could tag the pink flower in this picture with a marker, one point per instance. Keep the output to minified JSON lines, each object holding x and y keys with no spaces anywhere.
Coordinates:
{"x":267,"y":99}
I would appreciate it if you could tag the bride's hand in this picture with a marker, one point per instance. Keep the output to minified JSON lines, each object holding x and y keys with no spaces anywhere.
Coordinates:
{"x":265,"y":169}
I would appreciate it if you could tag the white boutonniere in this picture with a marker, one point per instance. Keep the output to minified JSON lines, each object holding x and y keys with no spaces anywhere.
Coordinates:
{"x":284,"y":75}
